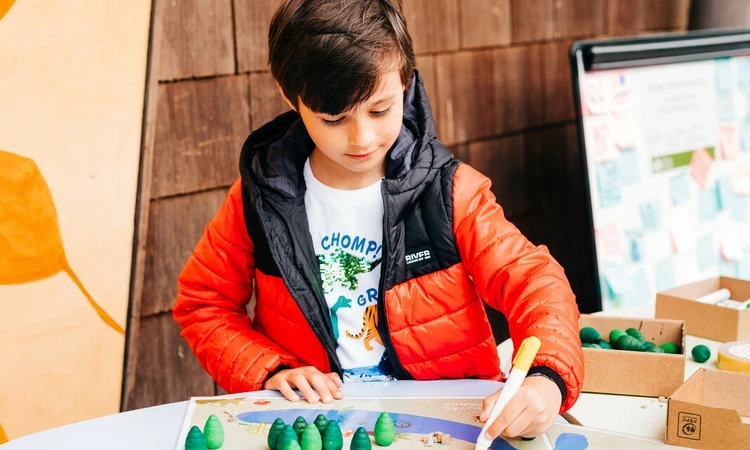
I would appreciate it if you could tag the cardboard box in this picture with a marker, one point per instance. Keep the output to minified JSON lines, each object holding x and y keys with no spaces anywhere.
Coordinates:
{"x":710,"y":411}
{"x":708,"y":321}
{"x":634,"y":373}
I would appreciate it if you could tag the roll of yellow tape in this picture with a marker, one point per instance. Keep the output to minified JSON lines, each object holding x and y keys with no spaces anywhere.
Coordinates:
{"x":734,"y":357}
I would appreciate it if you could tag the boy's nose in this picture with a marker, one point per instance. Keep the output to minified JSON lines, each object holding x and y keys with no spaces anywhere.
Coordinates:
{"x":361,"y":136}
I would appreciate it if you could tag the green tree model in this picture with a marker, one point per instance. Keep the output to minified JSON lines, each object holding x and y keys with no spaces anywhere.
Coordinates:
{"x":287,"y":434}
{"x":361,"y":440}
{"x":273,"y":434}
{"x":320,"y":423}
{"x":311,"y":439}
{"x":195,"y":439}
{"x":332,"y":438}
{"x":214,"y":432}
{"x":385,"y":432}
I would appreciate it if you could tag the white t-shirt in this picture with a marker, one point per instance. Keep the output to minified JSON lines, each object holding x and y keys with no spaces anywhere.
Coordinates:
{"x":347,"y":231}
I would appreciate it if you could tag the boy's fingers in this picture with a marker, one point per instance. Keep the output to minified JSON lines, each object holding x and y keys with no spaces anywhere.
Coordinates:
{"x":319,"y":382}
{"x":510,"y":413}
{"x":336,"y":378}
{"x":334,"y":389}
{"x":518,"y":426}
{"x":287,"y":390}
{"x":487,"y":405}
{"x":304,"y":387}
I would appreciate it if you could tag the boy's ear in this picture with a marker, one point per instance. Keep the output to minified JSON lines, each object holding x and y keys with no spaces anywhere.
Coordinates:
{"x":281,"y":91}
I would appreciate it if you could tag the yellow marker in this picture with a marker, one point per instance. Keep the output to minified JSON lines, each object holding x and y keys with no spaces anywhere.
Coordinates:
{"x":521,"y":364}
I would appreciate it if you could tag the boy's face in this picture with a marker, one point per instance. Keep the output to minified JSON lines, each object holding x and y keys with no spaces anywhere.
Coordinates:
{"x":352,"y":146}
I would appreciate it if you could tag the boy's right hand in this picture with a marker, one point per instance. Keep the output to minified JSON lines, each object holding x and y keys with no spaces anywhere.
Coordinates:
{"x":314,"y":384}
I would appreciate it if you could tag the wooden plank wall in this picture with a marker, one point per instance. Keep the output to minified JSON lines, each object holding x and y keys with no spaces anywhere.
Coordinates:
{"x":498,"y":78}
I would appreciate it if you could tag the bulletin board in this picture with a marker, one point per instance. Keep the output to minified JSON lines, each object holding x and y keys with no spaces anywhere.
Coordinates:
{"x":664,"y":132}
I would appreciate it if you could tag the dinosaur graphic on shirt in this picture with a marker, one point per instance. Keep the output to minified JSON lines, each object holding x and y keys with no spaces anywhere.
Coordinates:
{"x":342,"y":268}
{"x":342,"y":302}
{"x":369,"y":328}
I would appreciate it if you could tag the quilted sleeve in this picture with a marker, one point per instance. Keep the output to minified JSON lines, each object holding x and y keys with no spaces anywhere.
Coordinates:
{"x":521,"y":280}
{"x":214,"y":289}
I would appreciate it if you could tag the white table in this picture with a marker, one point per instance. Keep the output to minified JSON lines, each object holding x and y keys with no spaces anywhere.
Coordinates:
{"x":639,"y":416}
{"x":157,"y":428}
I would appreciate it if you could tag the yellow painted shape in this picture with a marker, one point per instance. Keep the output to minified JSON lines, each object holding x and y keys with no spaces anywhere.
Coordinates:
{"x":31,"y":247}
{"x":4,"y":8}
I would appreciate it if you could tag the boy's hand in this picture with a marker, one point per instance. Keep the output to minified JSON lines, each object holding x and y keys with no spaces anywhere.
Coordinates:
{"x":314,"y":384}
{"x":529,"y":413}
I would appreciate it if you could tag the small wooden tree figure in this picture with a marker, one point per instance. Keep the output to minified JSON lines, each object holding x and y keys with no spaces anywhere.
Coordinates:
{"x":287,"y":434}
{"x":214,"y":432}
{"x":195,"y":439}
{"x":332,"y":438}
{"x":273,"y":434}
{"x":311,"y":439}
{"x":320,"y":423}
{"x":299,"y":426}
{"x":291,"y":445}
{"x":385,"y":432}
{"x":361,"y":440}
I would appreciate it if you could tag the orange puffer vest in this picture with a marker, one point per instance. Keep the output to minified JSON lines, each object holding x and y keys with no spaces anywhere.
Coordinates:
{"x":446,"y":248}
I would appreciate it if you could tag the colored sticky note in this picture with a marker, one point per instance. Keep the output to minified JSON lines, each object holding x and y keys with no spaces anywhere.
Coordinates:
{"x":725,"y":192}
{"x":633,"y":246}
{"x":736,"y":204}
{"x":708,"y":254}
{"x":729,"y":268}
{"x":700,"y":166}
{"x":743,"y":73}
{"x":610,"y":240}
{"x":743,"y":269}
{"x":600,"y":143}
{"x":608,"y":183}
{"x":679,"y":188}
{"x":729,"y":141}
{"x":642,"y":294}
{"x":664,"y":275}
{"x":622,"y":130}
{"x":741,"y":175}
{"x":617,"y":281}
{"x":724,"y":79}
{"x":723,"y":75}
{"x":628,"y":166}
{"x":738,"y":208}
{"x":744,"y":129}
{"x":708,"y":204}
{"x":725,"y":107}
{"x":744,"y":266}
{"x":595,"y":93}
{"x":651,"y":214}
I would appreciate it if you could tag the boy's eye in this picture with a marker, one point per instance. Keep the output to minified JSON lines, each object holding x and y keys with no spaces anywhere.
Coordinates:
{"x":381,"y":113}
{"x":333,"y":122}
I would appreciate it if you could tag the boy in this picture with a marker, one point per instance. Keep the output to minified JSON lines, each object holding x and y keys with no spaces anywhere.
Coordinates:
{"x":368,"y":247}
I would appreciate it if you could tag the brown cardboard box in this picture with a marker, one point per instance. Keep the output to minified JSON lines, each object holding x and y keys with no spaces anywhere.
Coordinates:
{"x":710,"y":411}
{"x":713,"y":322}
{"x":634,"y":373}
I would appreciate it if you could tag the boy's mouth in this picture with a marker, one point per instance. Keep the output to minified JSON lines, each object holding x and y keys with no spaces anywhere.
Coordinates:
{"x":360,"y":156}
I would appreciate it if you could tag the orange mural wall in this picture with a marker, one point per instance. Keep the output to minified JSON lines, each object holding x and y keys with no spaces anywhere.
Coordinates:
{"x":71,"y":106}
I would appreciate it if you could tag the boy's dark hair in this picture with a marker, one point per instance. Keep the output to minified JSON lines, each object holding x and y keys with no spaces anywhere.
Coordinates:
{"x":330,"y":53}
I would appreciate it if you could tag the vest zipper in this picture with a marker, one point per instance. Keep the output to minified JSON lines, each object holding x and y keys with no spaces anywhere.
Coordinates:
{"x":398,"y":370}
